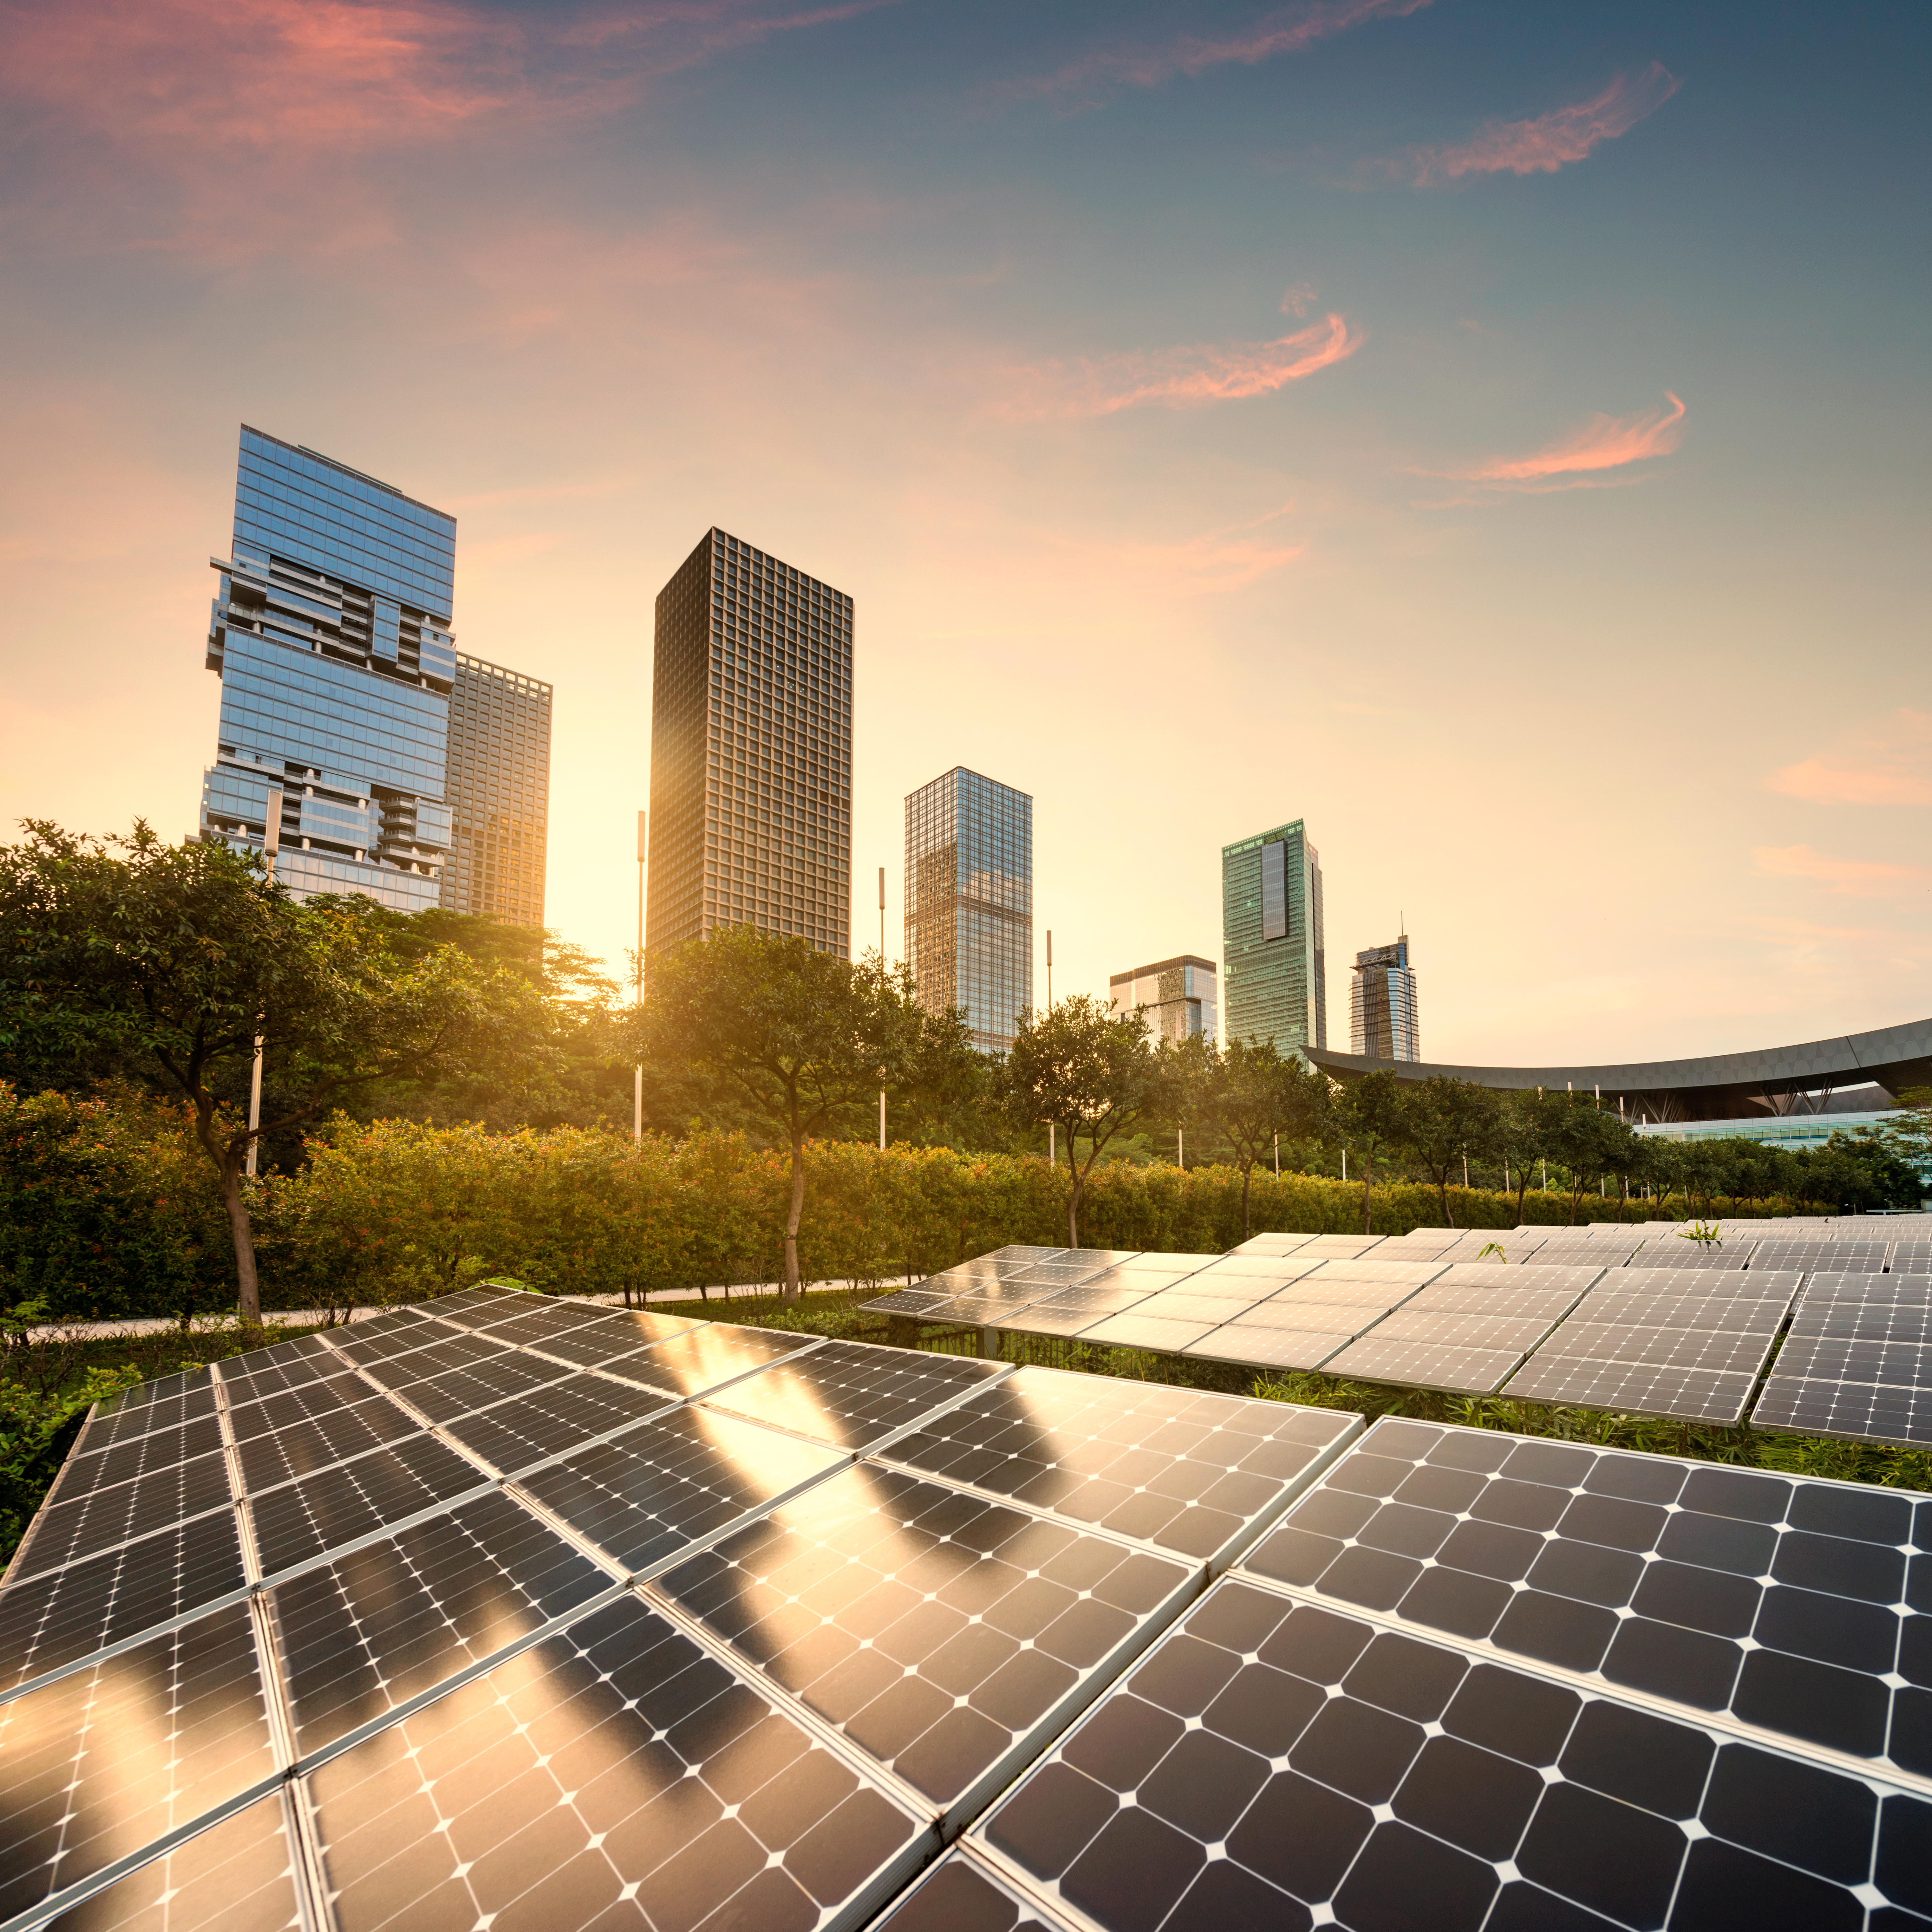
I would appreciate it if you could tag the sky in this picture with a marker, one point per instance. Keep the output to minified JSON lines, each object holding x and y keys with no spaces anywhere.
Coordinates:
{"x":1494,"y":434}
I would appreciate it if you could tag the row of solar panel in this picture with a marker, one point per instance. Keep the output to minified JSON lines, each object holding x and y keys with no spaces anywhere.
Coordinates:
{"x":1691,"y":1345}
{"x":862,"y":1699}
{"x":1469,"y":1680}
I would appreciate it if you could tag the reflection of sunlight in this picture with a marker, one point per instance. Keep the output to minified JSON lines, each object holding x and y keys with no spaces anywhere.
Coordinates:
{"x":787,"y":1400}
{"x":766,"y":1464}
{"x":652,"y":1326}
{"x":709,"y":1353}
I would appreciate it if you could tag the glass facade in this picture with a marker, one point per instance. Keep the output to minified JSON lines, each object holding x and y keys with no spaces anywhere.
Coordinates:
{"x":751,"y":751}
{"x":499,"y":793}
{"x":969,"y":901}
{"x":331,"y":636}
{"x":1179,"y":995}
{"x":1271,"y":939}
{"x":1382,"y":1021}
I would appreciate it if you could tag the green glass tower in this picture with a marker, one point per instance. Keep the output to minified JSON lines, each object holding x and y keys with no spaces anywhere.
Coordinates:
{"x":1276,"y":986}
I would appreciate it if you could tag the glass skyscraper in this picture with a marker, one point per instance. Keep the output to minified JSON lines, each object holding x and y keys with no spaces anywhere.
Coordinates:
{"x":499,"y":793}
{"x":1179,"y":995}
{"x":330,"y":635}
{"x":1271,"y":939}
{"x":751,"y":751}
{"x":1382,"y":1021}
{"x":969,"y":901}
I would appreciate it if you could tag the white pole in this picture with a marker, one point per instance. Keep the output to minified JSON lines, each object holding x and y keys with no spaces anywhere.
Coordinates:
{"x":1180,"y":1147}
{"x":1345,"y":1163}
{"x":1277,"y":1156}
{"x":1052,"y":1152}
{"x":882,"y":964}
{"x":638,"y":1072}
{"x":1049,"y":969}
{"x":272,"y":844}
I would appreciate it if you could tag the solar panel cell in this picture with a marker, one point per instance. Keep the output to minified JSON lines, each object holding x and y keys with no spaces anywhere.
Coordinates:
{"x":713,"y":1354}
{"x":1268,"y":1348}
{"x":1692,"y":1395}
{"x":303,"y":1447}
{"x":1131,"y":1330}
{"x":99,"y":1519}
{"x":1461,"y":1369}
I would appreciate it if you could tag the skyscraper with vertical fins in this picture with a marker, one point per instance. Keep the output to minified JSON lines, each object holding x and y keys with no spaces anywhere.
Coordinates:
{"x":1383,"y":1023}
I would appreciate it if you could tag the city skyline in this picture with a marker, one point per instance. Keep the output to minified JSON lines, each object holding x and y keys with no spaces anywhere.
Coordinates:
{"x":1383,"y":1018}
{"x":1548,"y":381}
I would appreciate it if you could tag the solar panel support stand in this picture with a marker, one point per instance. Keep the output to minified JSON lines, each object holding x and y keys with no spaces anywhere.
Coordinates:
{"x":989,"y":1344}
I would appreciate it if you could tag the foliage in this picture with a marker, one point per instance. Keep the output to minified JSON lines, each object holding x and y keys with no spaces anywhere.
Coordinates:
{"x":1372,"y":1114}
{"x":1443,"y":1122}
{"x":1093,"y":1072}
{"x":1249,"y":1097}
{"x":169,"y":961}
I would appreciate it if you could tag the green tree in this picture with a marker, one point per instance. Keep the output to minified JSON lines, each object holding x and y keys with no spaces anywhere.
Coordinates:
{"x":1445,"y":1123}
{"x":806,"y":1037}
{"x":1586,"y":1142}
{"x":1372,"y":1114}
{"x":1524,"y":1134}
{"x":1248,"y":1094}
{"x":1093,"y":1073}
{"x":168,"y":961}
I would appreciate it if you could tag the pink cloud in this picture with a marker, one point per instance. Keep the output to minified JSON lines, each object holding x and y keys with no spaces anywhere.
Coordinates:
{"x":1295,"y":300}
{"x":1179,"y":378}
{"x":1551,"y":140}
{"x":1889,"y":764}
{"x":1291,"y":31}
{"x":1604,"y":442}
{"x":1858,"y":878}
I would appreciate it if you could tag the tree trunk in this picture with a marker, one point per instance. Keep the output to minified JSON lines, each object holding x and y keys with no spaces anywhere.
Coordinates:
{"x":793,"y":1215}
{"x":1247,"y":1178}
{"x":1368,"y":1181}
{"x":1074,"y":1177}
{"x":1442,"y":1189}
{"x":248,"y":1302}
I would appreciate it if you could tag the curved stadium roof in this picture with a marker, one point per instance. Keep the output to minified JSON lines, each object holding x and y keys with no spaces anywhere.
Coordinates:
{"x":1716,"y":1086}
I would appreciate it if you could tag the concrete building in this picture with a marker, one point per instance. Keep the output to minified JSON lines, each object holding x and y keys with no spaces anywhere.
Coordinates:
{"x":1180,"y":996}
{"x":1271,"y":939}
{"x":751,"y":751}
{"x":969,"y":900}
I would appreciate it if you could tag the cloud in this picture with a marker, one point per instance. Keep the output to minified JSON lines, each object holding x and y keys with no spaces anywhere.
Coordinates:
{"x":1551,"y":140}
{"x":1177,"y":378}
{"x":1604,"y":442}
{"x":1857,"y":878}
{"x":1294,"y":301}
{"x":1290,"y":31}
{"x":1889,"y":764}
{"x":214,"y":125}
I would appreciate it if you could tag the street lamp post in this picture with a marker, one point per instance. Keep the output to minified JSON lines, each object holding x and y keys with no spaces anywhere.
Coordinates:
{"x":637,"y":1071}
{"x":272,"y":844}
{"x":882,"y":967}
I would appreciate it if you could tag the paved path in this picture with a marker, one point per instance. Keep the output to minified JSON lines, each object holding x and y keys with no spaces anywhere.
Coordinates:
{"x":157,"y":1324}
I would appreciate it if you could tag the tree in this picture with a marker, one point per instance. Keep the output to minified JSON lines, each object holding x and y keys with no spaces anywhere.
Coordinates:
{"x":1586,"y":1141}
{"x":167,"y":962}
{"x":806,"y":1037}
{"x":1524,"y":1134}
{"x":1443,"y":1123}
{"x":1248,"y":1094}
{"x":1372,"y":1114}
{"x":1091,"y":1072}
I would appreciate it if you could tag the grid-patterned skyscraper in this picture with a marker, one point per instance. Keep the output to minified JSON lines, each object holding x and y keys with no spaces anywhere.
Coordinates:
{"x":331,"y":636}
{"x":1382,"y":1021}
{"x":751,"y":751}
{"x":1179,"y":996}
{"x":969,"y":901}
{"x":1271,"y":938}
{"x":499,"y":793}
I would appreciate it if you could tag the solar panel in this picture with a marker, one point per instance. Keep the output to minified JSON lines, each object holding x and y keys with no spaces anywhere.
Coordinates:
{"x":137,"y":1456}
{"x":1272,"y":1762}
{"x":1461,"y":1368}
{"x":529,"y":1429}
{"x":1400,"y":1273}
{"x":98,"y":1520}
{"x":384,"y":1624}
{"x":100,"y":1762}
{"x":1487,"y":1329}
{"x":301,"y":1448}
{"x":1133,"y":1331}
{"x":1678,"y":1394}
{"x":1346,"y":1247}
{"x":1273,"y":1244}
{"x":1729,"y":1350}
{"x":1443,"y":1297}
{"x":1722,"y":1589}
{"x":711,"y":1355}
{"x":1896,"y":1413}
{"x":615,"y":1773}
{"x":935,"y":1630}
{"x":851,"y":1395}
{"x":914,"y":1301}
{"x":645,"y":1497}
{"x":1245,"y":1342}
{"x":239,"y":1873}
{"x":1210,"y":1309}
{"x":1674,"y":1253}
{"x":1064,"y":1316}
{"x":49,"y":1621}
{"x":1517,"y":1275}
{"x":1266,"y":1267}
{"x":1192,"y":1473}
{"x":168,"y":1411}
